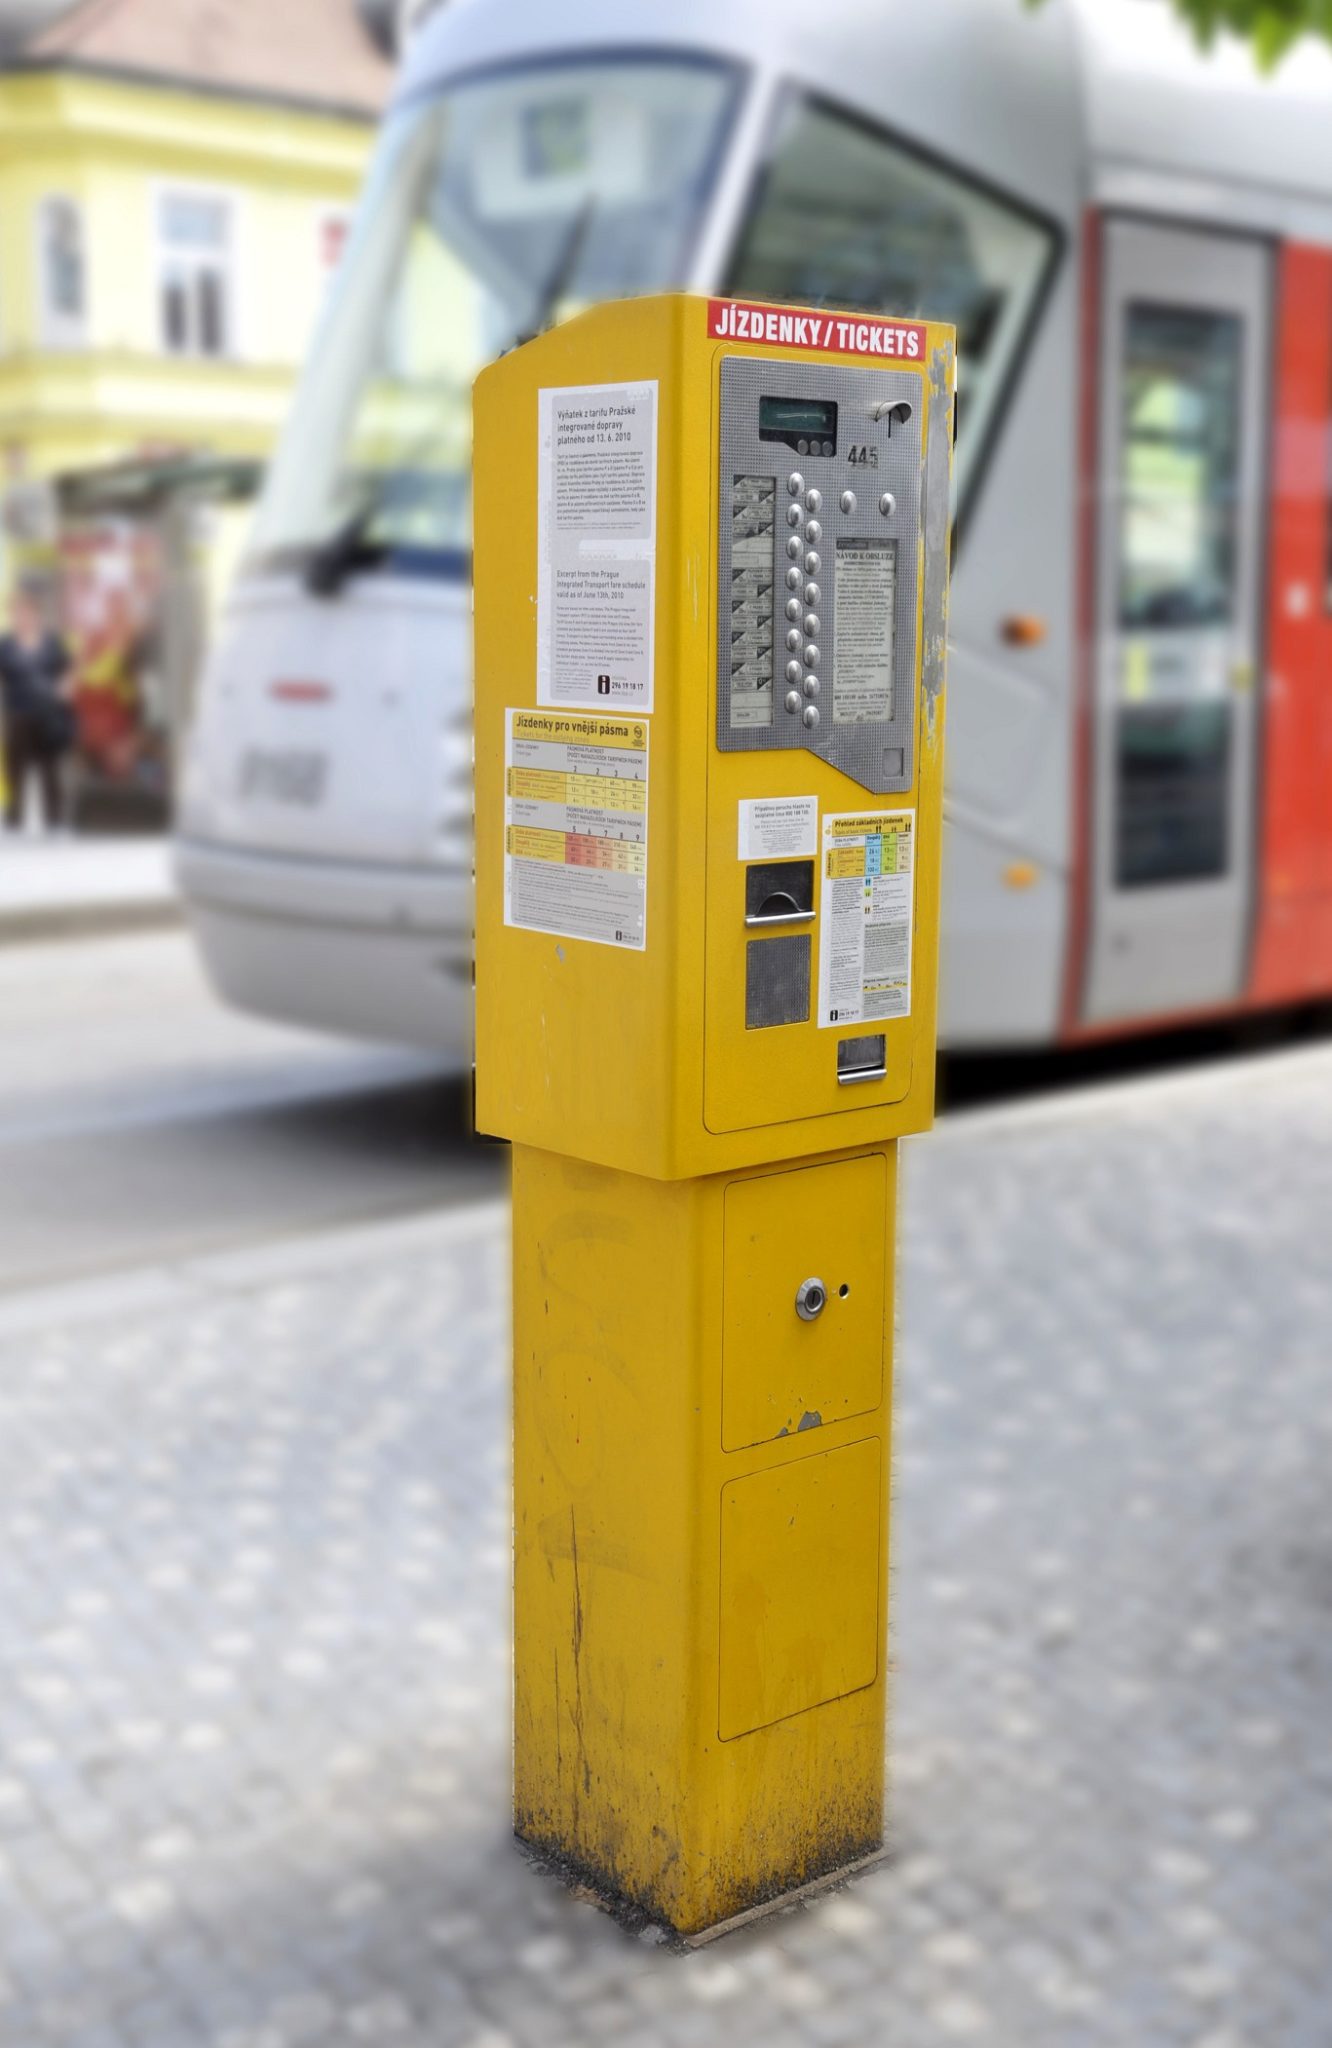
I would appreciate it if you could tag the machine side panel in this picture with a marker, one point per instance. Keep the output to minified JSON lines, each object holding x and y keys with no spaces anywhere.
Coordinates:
{"x":567,"y":1028}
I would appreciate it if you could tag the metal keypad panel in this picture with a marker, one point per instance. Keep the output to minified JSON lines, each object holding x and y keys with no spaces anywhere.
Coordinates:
{"x":809,"y":539}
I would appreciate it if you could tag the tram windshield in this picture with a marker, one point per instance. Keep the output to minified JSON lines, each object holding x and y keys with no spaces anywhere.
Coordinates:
{"x":490,"y":210}
{"x":528,"y":193}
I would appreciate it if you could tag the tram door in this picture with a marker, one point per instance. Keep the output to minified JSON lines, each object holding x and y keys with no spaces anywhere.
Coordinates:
{"x":1185,"y":347}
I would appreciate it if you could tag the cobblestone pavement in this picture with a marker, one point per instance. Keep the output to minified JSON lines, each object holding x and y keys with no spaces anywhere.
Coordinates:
{"x":253,"y":1671}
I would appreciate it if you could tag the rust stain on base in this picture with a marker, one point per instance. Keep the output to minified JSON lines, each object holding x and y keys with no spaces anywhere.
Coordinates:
{"x":829,"y":1882}
{"x":634,"y":1915}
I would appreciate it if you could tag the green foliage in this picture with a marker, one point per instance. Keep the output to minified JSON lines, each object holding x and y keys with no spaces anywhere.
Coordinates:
{"x":1270,"y":25}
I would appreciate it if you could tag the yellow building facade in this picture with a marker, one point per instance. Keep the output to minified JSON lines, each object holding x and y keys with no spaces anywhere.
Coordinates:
{"x":175,"y":186}
{"x":164,"y":253}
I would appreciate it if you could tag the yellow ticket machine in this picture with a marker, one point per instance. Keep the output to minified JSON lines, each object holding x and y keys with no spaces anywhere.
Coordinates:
{"x":711,"y":600}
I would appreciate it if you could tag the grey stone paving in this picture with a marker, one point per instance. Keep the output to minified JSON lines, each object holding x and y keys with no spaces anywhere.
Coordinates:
{"x":253,"y":1669}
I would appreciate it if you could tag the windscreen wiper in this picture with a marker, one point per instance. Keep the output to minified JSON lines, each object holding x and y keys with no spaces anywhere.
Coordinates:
{"x":562,"y":273}
{"x":348,"y":547}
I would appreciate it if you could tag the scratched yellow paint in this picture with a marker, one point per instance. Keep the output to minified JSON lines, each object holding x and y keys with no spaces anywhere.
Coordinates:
{"x":701,"y":1480}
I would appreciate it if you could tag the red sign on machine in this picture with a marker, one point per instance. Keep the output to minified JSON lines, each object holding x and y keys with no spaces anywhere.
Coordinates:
{"x":838,"y":333}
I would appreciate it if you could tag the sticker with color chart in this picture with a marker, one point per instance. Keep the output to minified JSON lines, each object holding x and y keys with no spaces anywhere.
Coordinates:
{"x":868,"y":872}
{"x":575,"y":826}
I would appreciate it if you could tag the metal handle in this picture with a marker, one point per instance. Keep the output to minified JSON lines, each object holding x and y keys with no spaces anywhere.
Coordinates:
{"x":862,"y":1074}
{"x":792,"y":914}
{"x":762,"y":917}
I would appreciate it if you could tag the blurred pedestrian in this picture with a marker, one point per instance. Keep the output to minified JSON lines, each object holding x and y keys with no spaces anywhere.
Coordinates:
{"x":35,"y":692}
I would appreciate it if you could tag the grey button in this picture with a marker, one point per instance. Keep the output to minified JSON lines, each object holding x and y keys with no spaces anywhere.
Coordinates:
{"x":793,"y":547}
{"x":803,"y":447}
{"x":793,"y":515}
{"x":810,"y":686}
{"x":795,"y":483}
{"x":812,"y":593}
{"x":793,"y":700}
{"x":848,"y":501}
{"x":812,"y":564}
{"x":811,"y":624}
{"x":813,"y":531}
{"x":795,"y":640}
{"x":887,"y":504}
{"x":827,"y":448}
{"x":793,"y":671}
{"x":793,"y":607}
{"x":794,"y":579}
{"x":814,"y":501}
{"x":812,"y":655}
{"x":810,"y":714}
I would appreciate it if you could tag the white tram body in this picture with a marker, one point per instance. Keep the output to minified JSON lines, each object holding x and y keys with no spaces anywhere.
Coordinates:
{"x":1100,"y":209}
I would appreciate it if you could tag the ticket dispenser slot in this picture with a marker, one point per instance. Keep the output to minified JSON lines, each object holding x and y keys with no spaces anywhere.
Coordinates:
{"x":862,"y":1059}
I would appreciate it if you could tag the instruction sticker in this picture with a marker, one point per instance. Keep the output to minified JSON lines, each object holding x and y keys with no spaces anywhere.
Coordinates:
{"x":575,"y":827}
{"x":868,"y":864}
{"x":778,"y":827}
{"x":866,"y":619}
{"x":596,"y":544}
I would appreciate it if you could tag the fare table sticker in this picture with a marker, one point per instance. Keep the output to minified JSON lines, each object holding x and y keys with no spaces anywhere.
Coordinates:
{"x":868,"y":866}
{"x":575,"y":826}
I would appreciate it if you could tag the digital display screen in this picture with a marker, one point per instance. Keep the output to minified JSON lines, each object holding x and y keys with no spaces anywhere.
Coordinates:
{"x":812,"y":421}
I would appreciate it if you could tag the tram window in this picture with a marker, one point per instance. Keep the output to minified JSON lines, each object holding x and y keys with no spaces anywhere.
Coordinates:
{"x":1180,"y":466}
{"x":1171,"y":818}
{"x":848,"y":217}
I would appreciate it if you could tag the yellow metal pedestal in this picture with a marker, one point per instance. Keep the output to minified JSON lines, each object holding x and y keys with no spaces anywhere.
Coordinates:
{"x":701,"y":1503}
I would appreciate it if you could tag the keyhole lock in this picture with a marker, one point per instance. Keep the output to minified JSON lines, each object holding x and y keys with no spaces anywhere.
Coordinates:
{"x":811,"y":1300}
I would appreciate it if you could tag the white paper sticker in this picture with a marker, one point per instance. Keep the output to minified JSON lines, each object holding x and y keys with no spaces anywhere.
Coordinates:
{"x":868,"y":866}
{"x":596,"y":545}
{"x":575,"y":826}
{"x":866,"y":627}
{"x":779,"y":827}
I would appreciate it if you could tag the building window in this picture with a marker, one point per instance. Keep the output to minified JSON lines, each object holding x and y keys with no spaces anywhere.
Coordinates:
{"x":194,"y":273}
{"x":63,"y":280}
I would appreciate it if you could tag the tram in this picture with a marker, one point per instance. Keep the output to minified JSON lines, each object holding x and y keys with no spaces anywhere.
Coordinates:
{"x":1135,"y":244}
